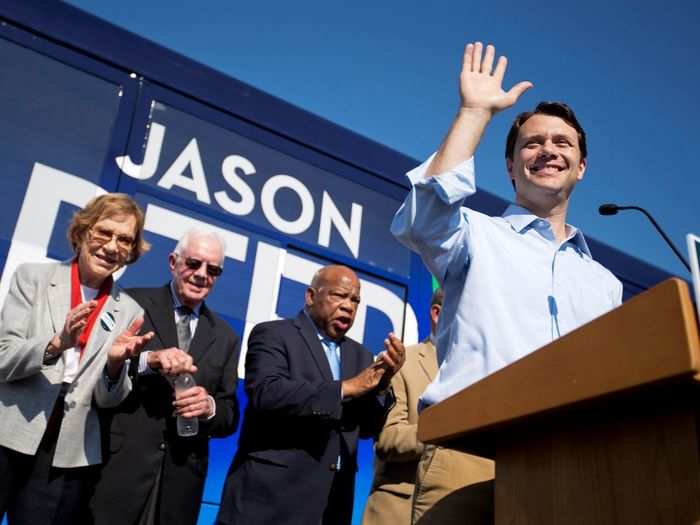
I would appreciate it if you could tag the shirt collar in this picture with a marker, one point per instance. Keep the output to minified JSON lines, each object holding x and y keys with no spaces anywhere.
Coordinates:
{"x":177,"y":303}
{"x":321,"y":337}
{"x":520,"y":218}
{"x":579,"y":241}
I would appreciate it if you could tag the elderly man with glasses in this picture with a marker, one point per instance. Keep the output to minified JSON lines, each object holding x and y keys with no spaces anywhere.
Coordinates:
{"x":153,"y":475}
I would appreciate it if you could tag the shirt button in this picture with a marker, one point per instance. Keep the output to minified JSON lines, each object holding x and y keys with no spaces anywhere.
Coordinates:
{"x":163,"y":445}
{"x":333,"y":467}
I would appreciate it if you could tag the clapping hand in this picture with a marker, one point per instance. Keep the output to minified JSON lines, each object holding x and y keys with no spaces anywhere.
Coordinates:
{"x":75,"y":322}
{"x":391,"y":359}
{"x":125,"y":346}
{"x":377,"y":375}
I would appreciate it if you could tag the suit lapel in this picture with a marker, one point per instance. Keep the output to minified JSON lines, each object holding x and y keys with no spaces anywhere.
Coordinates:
{"x":162,"y":317}
{"x":427,"y":359}
{"x":160,"y":313}
{"x":58,"y":294}
{"x":348,"y":367}
{"x":309,"y":334}
{"x":204,"y":335}
{"x":102,"y":330}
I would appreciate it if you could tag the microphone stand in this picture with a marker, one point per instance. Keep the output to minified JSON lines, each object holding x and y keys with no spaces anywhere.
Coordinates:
{"x":612,"y":209}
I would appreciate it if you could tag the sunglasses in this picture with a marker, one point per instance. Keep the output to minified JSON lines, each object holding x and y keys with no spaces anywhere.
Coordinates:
{"x":212,"y":269}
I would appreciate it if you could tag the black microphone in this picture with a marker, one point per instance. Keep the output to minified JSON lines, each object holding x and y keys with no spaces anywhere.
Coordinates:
{"x":612,"y":209}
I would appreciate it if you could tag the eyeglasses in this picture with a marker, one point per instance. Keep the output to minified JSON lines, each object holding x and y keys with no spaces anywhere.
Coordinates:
{"x":103,"y":236}
{"x":212,"y":269}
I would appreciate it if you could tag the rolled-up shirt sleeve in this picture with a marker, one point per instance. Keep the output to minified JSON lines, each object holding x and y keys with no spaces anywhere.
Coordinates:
{"x":432,"y":222}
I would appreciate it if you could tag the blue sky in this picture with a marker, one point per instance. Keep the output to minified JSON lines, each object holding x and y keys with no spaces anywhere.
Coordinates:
{"x":388,"y":70}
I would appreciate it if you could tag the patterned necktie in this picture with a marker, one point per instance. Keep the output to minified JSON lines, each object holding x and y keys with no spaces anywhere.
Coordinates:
{"x":184,"y":334}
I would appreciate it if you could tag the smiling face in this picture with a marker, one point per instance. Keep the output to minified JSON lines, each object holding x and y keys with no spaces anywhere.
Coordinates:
{"x":547,"y":161}
{"x":192,"y":285}
{"x":105,"y":248}
{"x":332,"y":300}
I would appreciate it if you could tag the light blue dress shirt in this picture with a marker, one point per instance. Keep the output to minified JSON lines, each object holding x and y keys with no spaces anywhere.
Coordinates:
{"x":510,"y":288}
{"x":332,"y":350}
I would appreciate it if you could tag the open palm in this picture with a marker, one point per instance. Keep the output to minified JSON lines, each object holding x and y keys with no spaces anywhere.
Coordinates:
{"x":129,"y":343}
{"x":481,"y":83}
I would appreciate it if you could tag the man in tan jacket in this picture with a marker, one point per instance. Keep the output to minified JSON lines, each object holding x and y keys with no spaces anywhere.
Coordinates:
{"x":401,"y":462}
{"x":397,"y":449}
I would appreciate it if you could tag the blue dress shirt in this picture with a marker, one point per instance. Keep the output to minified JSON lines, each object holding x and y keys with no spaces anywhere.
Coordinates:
{"x":332,"y":350}
{"x":510,"y":288}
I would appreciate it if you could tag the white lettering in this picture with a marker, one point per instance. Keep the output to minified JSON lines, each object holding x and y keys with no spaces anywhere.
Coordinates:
{"x":175,"y":176}
{"x":349,"y":233}
{"x":402,"y":317}
{"x":150,"y":157}
{"x":264,"y":293}
{"x":173,"y":225}
{"x":233,"y":170}
{"x":228,"y":170}
{"x":37,"y":217}
{"x":267,"y":200}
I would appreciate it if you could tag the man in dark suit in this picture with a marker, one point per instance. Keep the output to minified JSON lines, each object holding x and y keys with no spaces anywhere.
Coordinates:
{"x":151,"y":475}
{"x":312,"y":392}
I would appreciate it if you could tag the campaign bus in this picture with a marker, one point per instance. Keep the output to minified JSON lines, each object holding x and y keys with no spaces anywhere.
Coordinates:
{"x":89,"y":108}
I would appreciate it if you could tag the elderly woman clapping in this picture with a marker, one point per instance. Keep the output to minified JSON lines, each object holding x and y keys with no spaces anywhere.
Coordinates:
{"x":66,"y":334}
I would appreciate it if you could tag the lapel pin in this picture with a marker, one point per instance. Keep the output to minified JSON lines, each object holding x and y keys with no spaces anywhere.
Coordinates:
{"x":107,"y":321}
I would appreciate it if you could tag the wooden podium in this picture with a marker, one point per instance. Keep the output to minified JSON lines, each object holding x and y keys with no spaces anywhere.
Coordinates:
{"x":601,"y":426}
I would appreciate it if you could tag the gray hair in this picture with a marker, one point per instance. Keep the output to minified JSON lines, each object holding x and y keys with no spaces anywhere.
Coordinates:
{"x":195,"y":233}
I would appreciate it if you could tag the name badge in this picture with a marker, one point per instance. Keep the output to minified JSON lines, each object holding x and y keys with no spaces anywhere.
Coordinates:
{"x":107,"y":321}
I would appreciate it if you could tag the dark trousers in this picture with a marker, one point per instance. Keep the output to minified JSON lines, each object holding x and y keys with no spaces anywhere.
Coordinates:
{"x":32,"y":492}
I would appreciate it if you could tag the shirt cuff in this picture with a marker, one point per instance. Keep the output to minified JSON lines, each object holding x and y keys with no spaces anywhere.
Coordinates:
{"x":111,"y":383}
{"x":144,"y":369}
{"x":451,"y":186}
{"x":212,"y":408}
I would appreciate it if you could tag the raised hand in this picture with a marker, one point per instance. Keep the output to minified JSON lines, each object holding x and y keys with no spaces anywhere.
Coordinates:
{"x":481,"y":97}
{"x":74,"y":324}
{"x":378,"y":374}
{"x":125,"y":346}
{"x":365,"y":381}
{"x":481,"y":84}
{"x":392,"y":359}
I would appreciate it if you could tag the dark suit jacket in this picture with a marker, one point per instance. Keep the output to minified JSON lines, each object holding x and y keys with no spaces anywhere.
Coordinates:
{"x":295,"y":427}
{"x":141,"y":432}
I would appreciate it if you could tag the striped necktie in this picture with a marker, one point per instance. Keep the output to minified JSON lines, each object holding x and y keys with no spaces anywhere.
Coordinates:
{"x":184,"y":334}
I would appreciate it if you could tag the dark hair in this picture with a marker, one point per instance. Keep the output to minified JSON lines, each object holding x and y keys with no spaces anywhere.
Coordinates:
{"x":554,"y":109}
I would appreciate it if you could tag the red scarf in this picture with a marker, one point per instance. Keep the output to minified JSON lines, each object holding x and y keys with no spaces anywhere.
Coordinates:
{"x":76,"y":297}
